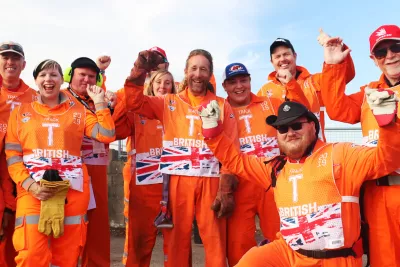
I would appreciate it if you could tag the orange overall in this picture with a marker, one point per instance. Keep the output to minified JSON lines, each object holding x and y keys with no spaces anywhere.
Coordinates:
{"x":194,"y":170}
{"x":381,"y":201}
{"x":37,"y":140}
{"x":317,"y":197}
{"x":9,"y":99}
{"x":311,"y":85}
{"x":95,"y":157}
{"x":142,"y":182}
{"x":259,"y":139}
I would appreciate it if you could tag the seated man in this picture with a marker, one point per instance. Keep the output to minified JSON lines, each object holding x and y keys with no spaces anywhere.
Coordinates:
{"x":316,"y":184}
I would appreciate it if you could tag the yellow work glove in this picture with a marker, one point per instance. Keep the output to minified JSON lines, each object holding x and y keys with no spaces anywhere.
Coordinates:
{"x":52,"y":210}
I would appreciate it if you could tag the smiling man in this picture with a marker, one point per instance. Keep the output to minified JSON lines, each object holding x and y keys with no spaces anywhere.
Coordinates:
{"x":283,"y":59}
{"x":194,"y":172}
{"x":382,"y":200}
{"x":316,"y":184}
{"x":13,"y":92}
{"x":258,"y":139}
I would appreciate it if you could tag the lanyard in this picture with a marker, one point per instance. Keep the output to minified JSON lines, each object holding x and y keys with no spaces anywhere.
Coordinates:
{"x":80,"y":99}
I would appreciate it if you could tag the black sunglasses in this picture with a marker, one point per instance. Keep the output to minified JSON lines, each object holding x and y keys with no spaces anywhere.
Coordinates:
{"x":16,"y":48}
{"x":381,"y":53}
{"x":294,"y":126}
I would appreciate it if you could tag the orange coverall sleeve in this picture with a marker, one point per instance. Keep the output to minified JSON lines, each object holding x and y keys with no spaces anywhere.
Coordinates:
{"x":247,"y":167}
{"x":152,"y":107}
{"x":296,"y":94}
{"x":370,"y":162}
{"x":16,"y":168}
{"x":100,"y":126}
{"x":339,"y":106}
{"x":230,"y":129}
{"x":123,"y":118}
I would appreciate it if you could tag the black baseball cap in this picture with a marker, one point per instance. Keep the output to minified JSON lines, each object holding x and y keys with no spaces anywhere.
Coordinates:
{"x":289,"y":111}
{"x":280,"y":42}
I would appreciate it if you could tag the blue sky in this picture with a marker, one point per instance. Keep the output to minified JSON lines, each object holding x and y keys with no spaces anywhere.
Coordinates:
{"x":232,"y":30}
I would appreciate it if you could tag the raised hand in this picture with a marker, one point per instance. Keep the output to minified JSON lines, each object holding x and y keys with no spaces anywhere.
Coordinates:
{"x":96,"y":93}
{"x":333,"y":53}
{"x":284,"y":76}
{"x":103,"y":62}
{"x":322,"y":37}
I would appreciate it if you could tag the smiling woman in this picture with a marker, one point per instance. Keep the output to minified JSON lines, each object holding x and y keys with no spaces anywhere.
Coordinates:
{"x":43,"y":150}
{"x":49,"y":78}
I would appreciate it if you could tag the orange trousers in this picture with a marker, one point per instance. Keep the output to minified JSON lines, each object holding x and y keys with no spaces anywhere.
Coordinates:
{"x":250,"y":200}
{"x":143,"y":207}
{"x":97,"y":249}
{"x":188,"y":196}
{"x":382,"y":212}
{"x":279,"y":254}
{"x":37,"y":249}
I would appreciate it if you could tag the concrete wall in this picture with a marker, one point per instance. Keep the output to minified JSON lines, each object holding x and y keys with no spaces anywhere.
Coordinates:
{"x":115,"y":190}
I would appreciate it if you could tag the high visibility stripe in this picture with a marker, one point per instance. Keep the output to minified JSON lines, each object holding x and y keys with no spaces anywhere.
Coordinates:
{"x":51,"y":265}
{"x":125,"y":254}
{"x":103,"y":131}
{"x":14,"y":159}
{"x":34,"y":219}
{"x":322,"y":109}
{"x":126,"y":219}
{"x":13,"y":146}
{"x":126,"y":200}
{"x":350,"y":199}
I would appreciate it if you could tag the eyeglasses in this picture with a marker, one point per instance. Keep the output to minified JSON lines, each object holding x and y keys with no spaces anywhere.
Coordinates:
{"x":381,"y":53}
{"x":294,"y":126}
{"x":16,"y":48}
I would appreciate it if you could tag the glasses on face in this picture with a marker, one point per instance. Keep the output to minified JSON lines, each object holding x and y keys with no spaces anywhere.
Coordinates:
{"x":381,"y":53}
{"x":294,"y":126}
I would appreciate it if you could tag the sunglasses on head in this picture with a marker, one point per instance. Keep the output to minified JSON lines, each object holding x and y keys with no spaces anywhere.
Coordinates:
{"x":16,"y":48}
{"x":381,"y":53}
{"x":294,"y":126}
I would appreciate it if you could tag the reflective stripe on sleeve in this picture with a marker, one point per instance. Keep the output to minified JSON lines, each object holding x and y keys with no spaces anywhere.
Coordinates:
{"x":104,"y":132}
{"x":13,"y":146}
{"x":14,"y":159}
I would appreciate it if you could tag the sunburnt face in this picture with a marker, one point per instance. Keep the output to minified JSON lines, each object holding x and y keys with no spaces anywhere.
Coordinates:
{"x":81,"y":78}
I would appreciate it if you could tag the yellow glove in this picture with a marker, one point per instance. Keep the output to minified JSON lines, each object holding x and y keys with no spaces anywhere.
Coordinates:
{"x":52,"y":210}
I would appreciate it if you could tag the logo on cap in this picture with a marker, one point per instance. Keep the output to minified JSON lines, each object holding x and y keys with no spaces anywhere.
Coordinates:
{"x":381,"y":32}
{"x":286,"y":108}
{"x":280,"y":40}
{"x":236,"y":68}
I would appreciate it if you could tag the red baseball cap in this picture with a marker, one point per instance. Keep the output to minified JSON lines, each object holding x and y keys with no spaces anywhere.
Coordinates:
{"x":384,"y":32}
{"x":159,"y":50}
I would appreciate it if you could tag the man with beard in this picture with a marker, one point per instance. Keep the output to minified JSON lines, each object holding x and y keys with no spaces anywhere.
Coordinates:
{"x":316,"y":184}
{"x":381,"y":200}
{"x":194,"y":185}
{"x":258,"y":139}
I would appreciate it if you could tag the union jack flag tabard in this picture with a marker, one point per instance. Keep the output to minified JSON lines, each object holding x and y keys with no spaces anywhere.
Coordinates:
{"x":267,"y":148}
{"x":189,"y":161}
{"x":147,"y":171}
{"x":316,"y":231}
{"x":68,"y":168}
{"x":93,"y":152}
